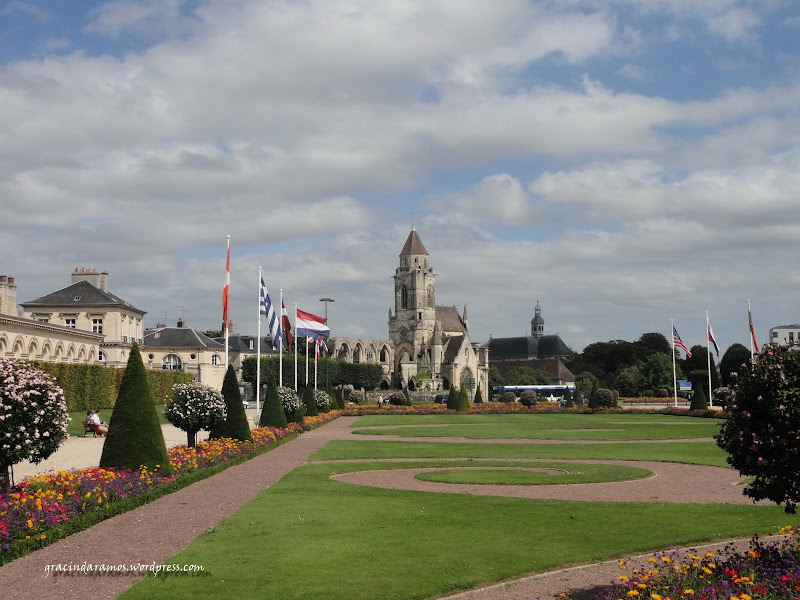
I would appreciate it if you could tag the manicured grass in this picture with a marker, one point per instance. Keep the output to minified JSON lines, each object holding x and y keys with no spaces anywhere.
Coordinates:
{"x":75,"y":427}
{"x":538,"y":474}
{"x":310,"y":537}
{"x":534,"y":421}
{"x":700,"y":453}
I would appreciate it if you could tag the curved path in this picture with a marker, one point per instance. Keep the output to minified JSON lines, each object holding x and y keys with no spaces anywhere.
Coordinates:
{"x":155,"y":532}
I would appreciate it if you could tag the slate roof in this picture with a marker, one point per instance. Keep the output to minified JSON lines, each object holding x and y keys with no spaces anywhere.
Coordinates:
{"x":179,"y":337}
{"x":451,"y":346}
{"x":450,"y":319}
{"x":527,"y":347}
{"x":80,"y":294}
{"x":413,"y":244}
{"x":555,"y":369}
{"x":241,"y":343}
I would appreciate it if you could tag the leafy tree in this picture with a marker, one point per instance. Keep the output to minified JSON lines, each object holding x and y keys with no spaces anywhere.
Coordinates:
{"x":760,"y":434}
{"x":192,"y":407}
{"x":602,"y":398}
{"x":527,"y":376}
{"x":35,"y":417}
{"x":629,"y":382}
{"x":698,"y":361}
{"x":584,"y":384}
{"x":463,"y":400}
{"x":650,"y":343}
{"x":735,"y":356}
{"x":657,"y":372}
{"x":272,"y":414}
{"x":134,"y":436}
{"x":699,"y":401}
{"x":235,"y":424}
{"x":310,"y":402}
{"x":495,"y":378}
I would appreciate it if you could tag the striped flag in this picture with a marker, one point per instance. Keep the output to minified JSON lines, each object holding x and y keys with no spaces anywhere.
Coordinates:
{"x":712,"y":340}
{"x":677,"y":341}
{"x":287,"y":326}
{"x":752,"y":329}
{"x":226,"y":292}
{"x":265,"y":308}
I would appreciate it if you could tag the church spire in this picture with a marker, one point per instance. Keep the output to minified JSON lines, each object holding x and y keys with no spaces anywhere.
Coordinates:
{"x":537,"y":323}
{"x":413,"y":244}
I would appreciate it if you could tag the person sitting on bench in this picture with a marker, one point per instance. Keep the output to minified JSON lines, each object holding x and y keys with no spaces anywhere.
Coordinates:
{"x":97,"y":425}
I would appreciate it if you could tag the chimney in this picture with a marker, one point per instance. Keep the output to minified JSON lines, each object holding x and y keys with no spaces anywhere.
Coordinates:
{"x":160,"y":325}
{"x":92,"y":276}
{"x":104,"y":281}
{"x":8,"y":296}
{"x":181,"y":322}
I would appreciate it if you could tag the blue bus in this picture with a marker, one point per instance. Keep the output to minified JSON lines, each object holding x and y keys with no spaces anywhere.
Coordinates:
{"x":552,"y":393}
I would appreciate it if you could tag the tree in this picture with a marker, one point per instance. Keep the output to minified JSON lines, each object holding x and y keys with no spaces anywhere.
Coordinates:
{"x":235,"y":425}
{"x":584,"y":384}
{"x":699,"y":401}
{"x":569,"y":401}
{"x":478,"y":396}
{"x":629,"y":382}
{"x":602,"y":398}
{"x":699,"y":361}
{"x":272,"y":414}
{"x":134,"y":436}
{"x":192,"y":407}
{"x":310,"y":402}
{"x":452,"y":398}
{"x":526,"y":376}
{"x":463,"y":400}
{"x":760,"y":434}
{"x":735,"y":357}
{"x":35,"y":417}
{"x":650,"y":343}
{"x":495,"y":378}
{"x":657,"y":372}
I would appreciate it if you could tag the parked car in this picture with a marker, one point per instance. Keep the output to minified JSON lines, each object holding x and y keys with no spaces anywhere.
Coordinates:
{"x":440,"y":398}
{"x":246,"y":403}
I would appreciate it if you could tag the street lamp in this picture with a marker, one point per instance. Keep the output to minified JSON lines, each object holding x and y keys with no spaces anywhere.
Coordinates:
{"x":327,"y":358}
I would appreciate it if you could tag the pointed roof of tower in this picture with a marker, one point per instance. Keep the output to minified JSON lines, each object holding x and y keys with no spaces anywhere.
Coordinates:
{"x":413,"y":244}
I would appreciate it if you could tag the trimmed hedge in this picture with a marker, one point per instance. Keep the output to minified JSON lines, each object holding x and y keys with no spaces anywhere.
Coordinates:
{"x":96,"y":386}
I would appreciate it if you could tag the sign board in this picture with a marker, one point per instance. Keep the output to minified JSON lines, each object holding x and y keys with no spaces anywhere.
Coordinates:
{"x":684,"y":385}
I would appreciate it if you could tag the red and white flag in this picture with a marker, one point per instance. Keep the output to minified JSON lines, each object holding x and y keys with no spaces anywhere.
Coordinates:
{"x":286,"y":326}
{"x":677,"y":341}
{"x":226,"y":291}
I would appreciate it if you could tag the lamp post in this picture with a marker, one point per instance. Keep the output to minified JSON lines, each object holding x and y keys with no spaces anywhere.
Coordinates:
{"x":327,"y":358}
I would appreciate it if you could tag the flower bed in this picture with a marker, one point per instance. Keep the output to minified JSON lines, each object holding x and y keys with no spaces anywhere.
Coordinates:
{"x":38,"y":504}
{"x":769,"y":571}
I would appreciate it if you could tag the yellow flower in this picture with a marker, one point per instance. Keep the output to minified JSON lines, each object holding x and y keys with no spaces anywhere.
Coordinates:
{"x":688,"y":592}
{"x":623,"y":578}
{"x":666,"y":559}
{"x":651,"y":560}
{"x":622,"y":564}
{"x":655,"y":597}
{"x":641,"y":586}
{"x":632,"y":593}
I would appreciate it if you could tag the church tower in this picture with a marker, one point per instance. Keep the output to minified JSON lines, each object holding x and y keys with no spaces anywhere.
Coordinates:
{"x":537,"y":323}
{"x":411,"y":327}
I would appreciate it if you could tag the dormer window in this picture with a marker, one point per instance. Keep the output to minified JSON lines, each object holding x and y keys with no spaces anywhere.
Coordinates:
{"x":77,"y":299}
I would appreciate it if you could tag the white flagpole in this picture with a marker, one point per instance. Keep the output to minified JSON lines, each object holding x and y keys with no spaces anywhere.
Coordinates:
{"x":280,"y":346}
{"x":708,"y":350}
{"x":258,"y":347}
{"x":316,"y":354}
{"x":306,"y":360}
{"x":295,"y":346}
{"x":674,"y":372}
{"x":228,"y":300}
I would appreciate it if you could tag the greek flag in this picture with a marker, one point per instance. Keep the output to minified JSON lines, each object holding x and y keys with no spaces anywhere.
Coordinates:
{"x":273,"y":320}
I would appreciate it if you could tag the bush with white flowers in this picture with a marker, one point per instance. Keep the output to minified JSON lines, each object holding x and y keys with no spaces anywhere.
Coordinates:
{"x":192,"y":407}
{"x":289,"y":400}
{"x":33,"y":416}
{"x":323,"y":400}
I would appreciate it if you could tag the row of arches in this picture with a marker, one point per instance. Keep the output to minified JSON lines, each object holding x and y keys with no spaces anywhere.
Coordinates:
{"x":364,"y":352}
{"x":49,"y":350}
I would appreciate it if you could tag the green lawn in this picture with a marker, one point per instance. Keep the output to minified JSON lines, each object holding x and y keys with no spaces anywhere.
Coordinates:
{"x":310,"y":537}
{"x":525,"y":473}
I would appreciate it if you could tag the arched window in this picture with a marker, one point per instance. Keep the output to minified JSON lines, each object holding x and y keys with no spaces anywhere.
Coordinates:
{"x":101,"y":356}
{"x":172,"y":362}
{"x":384,"y":355}
{"x":403,"y":297}
{"x":215,"y":361}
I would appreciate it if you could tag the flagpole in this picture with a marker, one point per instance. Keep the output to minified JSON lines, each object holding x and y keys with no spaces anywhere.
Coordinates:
{"x":280,"y":347}
{"x":674,"y":371}
{"x":316,"y":355}
{"x":708,"y":350}
{"x":295,"y":347}
{"x":752,"y":331}
{"x":227,"y":299}
{"x":306,"y":360}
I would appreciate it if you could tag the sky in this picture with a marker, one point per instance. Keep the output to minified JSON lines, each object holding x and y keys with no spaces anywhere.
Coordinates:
{"x":624,"y":162}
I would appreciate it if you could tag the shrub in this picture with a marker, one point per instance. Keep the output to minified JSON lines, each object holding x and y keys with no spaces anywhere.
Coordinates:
{"x":235,"y":425}
{"x":272,"y":414}
{"x":323,"y":401}
{"x":452,"y":398}
{"x":569,"y":401}
{"x":602,"y":398}
{"x":508,"y":397}
{"x":192,"y":407}
{"x":528,"y":397}
{"x":478,"y":396}
{"x":35,"y":416}
{"x":760,"y":434}
{"x":134,"y":436}
{"x":699,"y":401}
{"x":310,"y":402}
{"x":397,"y":399}
{"x":463,"y":400}
{"x":662,"y":393}
{"x":339,"y":395}
{"x":724,"y":396}
{"x":292,"y":407}
{"x":356,"y":397}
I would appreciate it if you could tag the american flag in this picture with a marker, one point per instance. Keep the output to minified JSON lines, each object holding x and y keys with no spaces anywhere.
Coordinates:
{"x":677,"y":341}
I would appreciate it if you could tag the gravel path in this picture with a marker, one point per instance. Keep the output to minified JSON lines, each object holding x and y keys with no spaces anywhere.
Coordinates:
{"x":153,"y":533}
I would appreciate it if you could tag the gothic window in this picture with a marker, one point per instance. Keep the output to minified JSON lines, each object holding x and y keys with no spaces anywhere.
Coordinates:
{"x":403,"y":297}
{"x":384,"y":355}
